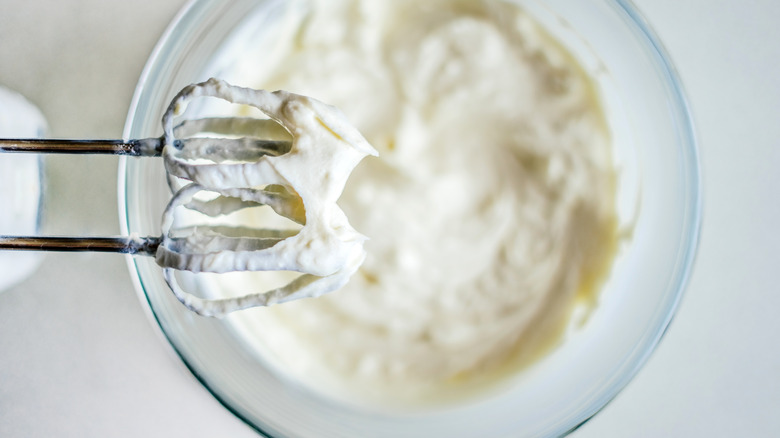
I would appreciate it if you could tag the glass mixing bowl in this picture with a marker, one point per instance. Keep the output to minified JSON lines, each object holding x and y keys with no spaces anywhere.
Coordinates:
{"x":658,"y":199}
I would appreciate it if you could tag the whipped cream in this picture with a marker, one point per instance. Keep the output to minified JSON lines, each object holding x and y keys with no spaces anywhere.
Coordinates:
{"x":20,"y":185}
{"x":300,"y":180}
{"x":490,"y":209}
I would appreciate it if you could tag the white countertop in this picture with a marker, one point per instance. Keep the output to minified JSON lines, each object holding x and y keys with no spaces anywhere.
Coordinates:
{"x":78,"y":356}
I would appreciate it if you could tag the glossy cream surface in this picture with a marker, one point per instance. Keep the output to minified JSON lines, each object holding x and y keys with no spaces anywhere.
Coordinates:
{"x":490,"y":209}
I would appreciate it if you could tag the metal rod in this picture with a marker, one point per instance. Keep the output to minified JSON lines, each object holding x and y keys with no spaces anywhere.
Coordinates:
{"x":149,"y":147}
{"x":122,"y":245}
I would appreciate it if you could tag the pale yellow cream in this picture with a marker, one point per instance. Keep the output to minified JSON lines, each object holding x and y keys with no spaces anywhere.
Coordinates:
{"x":490,"y":209}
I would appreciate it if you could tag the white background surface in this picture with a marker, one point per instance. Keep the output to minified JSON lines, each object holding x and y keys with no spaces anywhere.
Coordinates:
{"x":79,"y":358}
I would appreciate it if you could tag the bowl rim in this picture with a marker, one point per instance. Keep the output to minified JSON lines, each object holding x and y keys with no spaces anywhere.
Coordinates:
{"x":694,"y":200}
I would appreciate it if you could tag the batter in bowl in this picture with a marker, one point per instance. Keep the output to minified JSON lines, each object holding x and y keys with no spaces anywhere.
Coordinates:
{"x":490,"y":209}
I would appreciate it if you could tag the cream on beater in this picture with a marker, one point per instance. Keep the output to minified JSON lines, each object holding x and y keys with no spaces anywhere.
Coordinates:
{"x":301,"y":183}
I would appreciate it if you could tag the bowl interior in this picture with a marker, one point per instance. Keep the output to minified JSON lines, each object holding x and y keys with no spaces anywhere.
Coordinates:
{"x":658,"y":204}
